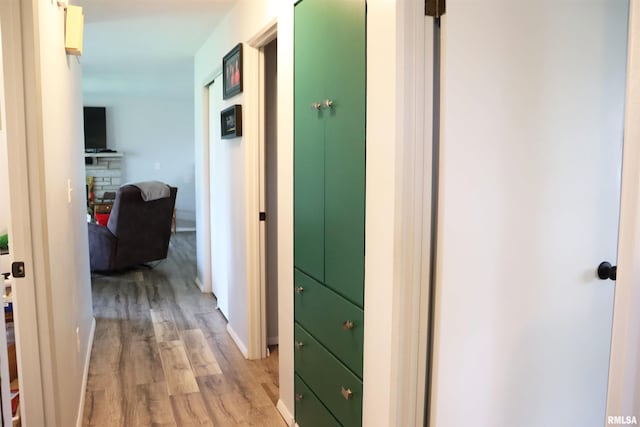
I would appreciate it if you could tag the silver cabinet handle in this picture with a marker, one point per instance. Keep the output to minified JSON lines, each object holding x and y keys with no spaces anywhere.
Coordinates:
{"x":299,"y":345}
{"x":316,"y":106}
{"x":346,"y":393}
{"x":348,"y":324}
{"x":328,"y":103}
{"x":299,"y":289}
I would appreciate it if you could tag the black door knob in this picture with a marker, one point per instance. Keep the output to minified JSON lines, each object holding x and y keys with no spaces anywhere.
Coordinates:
{"x":607,"y":271}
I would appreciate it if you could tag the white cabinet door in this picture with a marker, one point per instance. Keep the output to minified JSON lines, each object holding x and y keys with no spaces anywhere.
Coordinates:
{"x":531,"y":146}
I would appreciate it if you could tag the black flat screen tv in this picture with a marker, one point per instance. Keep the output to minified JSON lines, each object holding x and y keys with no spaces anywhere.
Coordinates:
{"x":95,"y":129}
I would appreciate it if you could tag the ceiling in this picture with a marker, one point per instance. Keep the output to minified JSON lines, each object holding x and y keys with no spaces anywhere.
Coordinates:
{"x":145,"y":46}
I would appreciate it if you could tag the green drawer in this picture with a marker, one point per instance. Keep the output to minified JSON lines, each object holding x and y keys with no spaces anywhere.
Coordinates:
{"x":328,"y":379}
{"x":310,"y":412}
{"x":323,"y":313}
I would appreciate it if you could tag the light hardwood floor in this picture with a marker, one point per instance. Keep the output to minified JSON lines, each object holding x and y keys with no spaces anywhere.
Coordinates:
{"x":162,"y":356}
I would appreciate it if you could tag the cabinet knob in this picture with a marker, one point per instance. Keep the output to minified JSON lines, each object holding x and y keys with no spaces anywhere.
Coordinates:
{"x":316,"y":106}
{"x":299,"y":345}
{"x":346,"y":393}
{"x":299,"y":289}
{"x":298,"y":397}
{"x":328,"y":103}
{"x":348,"y":324}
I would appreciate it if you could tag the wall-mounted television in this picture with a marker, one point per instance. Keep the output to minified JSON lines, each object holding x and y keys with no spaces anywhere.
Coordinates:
{"x":95,"y":129}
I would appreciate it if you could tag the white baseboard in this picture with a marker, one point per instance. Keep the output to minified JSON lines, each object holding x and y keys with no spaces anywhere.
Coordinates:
{"x":85,"y":374}
{"x":241,"y":346}
{"x":199,"y":284}
{"x":272,"y":340}
{"x":286,"y":414}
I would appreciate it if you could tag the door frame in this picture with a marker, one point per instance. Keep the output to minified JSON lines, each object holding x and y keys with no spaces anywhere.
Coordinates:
{"x":258,"y":339}
{"x":398,"y":212}
{"x":203,"y":194}
{"x":624,"y":378}
{"x":22,"y":186}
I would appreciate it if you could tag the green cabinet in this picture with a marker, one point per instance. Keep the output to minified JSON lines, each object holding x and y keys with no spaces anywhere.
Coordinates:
{"x":337,"y":387}
{"x":310,"y":412}
{"x":329,"y":151}
{"x":333,"y":320}
{"x":329,"y":209}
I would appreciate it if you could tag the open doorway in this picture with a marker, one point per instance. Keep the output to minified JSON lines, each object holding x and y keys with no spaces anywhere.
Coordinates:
{"x":269,"y":193}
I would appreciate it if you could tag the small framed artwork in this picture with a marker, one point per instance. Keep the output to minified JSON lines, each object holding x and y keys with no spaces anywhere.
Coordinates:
{"x":232,"y":72}
{"x":231,"y":122}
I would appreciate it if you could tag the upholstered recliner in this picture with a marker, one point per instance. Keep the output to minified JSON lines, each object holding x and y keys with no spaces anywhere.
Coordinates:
{"x":138,"y":231}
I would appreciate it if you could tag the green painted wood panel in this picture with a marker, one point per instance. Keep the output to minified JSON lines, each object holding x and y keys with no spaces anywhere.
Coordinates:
{"x":345,"y":150}
{"x":322,"y":312}
{"x":309,"y":138}
{"x":326,"y":377}
{"x":309,"y":411}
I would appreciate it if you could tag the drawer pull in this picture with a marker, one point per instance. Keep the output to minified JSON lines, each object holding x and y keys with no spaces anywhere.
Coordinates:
{"x":348,"y":324}
{"x":346,"y":393}
{"x":298,"y":397}
{"x":328,"y":103}
{"x":316,"y":106}
{"x":299,"y":289}
{"x":299,"y":344}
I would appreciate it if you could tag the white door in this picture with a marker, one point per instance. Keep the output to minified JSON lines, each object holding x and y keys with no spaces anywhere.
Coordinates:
{"x":531,"y":143}
{"x":220,"y":195}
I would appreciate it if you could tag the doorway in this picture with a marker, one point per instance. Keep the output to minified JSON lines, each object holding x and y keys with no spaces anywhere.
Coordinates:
{"x":269,"y":194}
{"x":220,"y":217}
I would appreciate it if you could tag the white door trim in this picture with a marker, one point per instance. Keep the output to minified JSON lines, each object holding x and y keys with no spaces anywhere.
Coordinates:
{"x":22,"y":186}
{"x":398,"y":212}
{"x":258,"y":340}
{"x":623,"y":397}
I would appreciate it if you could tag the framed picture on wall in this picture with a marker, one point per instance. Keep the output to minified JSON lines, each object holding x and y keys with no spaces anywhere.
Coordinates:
{"x":232,"y":72}
{"x":231,"y":122}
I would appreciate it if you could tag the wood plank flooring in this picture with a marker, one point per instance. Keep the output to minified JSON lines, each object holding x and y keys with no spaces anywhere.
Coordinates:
{"x":162,"y":356}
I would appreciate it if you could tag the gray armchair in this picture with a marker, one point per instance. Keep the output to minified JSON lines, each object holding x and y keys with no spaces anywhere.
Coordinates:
{"x":138,"y":231}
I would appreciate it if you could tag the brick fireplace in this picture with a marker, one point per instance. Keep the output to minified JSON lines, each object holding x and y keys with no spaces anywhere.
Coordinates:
{"x":106,"y":170}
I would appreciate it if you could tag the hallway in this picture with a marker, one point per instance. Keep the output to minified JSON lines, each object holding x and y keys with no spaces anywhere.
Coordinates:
{"x":162,"y":355}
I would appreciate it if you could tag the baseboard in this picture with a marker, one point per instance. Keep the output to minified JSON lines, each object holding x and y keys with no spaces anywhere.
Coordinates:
{"x":286,"y":414}
{"x":238,"y":341}
{"x":199,"y":284}
{"x":272,"y":340}
{"x":185,"y":229}
{"x":85,"y":374}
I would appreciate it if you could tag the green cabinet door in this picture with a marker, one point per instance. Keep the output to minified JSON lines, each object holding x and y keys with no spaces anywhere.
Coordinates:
{"x":310,"y":412}
{"x":329,"y":159}
{"x":345,"y":150}
{"x":309,"y":138}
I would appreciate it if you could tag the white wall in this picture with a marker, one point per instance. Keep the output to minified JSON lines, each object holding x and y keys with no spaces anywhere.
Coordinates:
{"x":244,"y":22}
{"x":55,"y":142}
{"x":155,"y":134}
